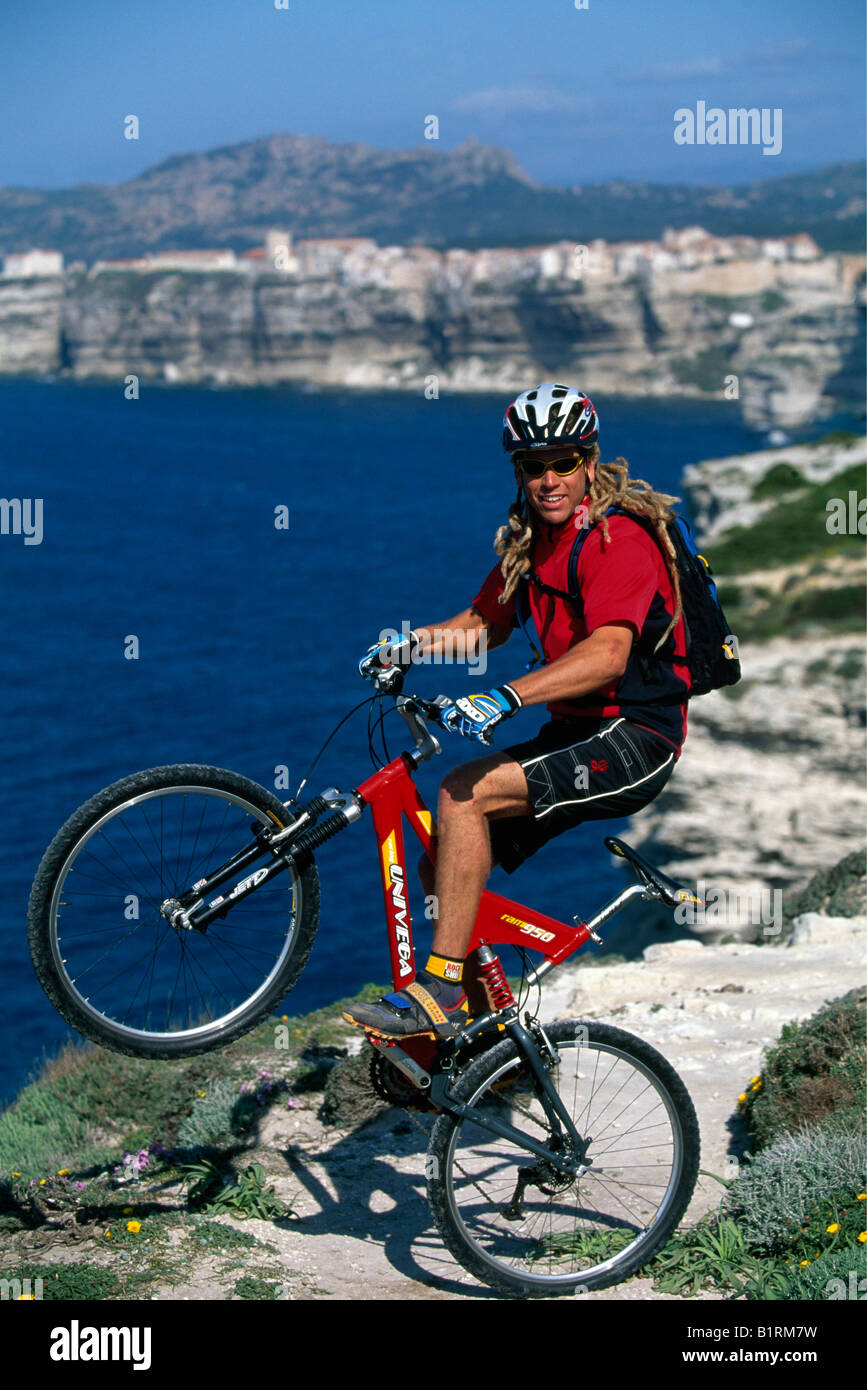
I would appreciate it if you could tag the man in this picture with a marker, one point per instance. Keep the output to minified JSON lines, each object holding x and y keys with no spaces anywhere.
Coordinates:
{"x":615,"y":681}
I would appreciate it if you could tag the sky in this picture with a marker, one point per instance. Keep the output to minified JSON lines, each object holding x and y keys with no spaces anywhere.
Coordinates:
{"x":576,"y":95}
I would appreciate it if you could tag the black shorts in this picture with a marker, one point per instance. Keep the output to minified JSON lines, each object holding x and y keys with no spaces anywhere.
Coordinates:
{"x":579,"y":770}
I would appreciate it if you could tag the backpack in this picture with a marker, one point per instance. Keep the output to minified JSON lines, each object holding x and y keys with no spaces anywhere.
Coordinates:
{"x":711,"y":647}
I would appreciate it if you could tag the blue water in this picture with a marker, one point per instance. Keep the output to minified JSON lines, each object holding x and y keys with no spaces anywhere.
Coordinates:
{"x":159,"y":523}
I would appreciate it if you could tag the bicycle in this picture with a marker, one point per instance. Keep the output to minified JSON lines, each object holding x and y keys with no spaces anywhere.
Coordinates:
{"x":562,"y":1156}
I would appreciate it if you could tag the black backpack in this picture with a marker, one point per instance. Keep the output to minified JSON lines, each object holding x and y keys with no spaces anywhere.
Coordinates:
{"x":711,"y":647}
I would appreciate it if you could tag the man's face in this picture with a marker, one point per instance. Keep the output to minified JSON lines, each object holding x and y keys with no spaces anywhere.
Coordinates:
{"x":555,"y":496}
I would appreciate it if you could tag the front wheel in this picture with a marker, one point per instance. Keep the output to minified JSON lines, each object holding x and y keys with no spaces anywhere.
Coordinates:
{"x":107,"y":957}
{"x":519,"y":1223}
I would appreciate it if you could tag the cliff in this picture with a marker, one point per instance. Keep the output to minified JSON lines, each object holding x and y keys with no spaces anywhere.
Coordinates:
{"x":788,"y":334}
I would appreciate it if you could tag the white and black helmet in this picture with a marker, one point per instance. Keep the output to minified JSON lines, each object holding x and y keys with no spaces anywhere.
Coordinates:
{"x":550,"y":414}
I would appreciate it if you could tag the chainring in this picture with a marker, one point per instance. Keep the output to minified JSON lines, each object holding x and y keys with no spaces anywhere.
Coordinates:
{"x":396,"y":1089}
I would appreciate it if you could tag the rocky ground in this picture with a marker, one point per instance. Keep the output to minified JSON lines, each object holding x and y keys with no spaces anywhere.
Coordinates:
{"x":360,"y":1227}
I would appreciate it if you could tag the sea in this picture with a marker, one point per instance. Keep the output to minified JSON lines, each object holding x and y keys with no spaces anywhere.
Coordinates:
{"x":158,"y":524}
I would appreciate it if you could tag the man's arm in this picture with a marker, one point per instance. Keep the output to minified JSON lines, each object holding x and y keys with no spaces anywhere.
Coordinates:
{"x":590,"y":665}
{"x":433,"y":636}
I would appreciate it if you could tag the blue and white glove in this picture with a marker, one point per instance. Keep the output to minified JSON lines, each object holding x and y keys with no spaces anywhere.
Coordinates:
{"x":389,"y":652}
{"x":476,"y":716}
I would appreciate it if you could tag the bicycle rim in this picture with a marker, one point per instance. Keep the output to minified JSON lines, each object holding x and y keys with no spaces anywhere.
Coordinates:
{"x":538,"y":1229}
{"x":122,"y":962}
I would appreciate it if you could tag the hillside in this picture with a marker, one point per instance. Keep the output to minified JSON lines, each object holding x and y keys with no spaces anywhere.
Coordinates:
{"x":474,"y":195}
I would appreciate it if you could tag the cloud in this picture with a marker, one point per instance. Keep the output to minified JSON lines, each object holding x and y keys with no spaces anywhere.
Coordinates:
{"x":685,"y":71}
{"x":788,"y":53}
{"x":526,"y":100}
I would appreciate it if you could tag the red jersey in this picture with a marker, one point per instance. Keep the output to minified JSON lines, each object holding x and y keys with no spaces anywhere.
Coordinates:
{"x":622,"y":580}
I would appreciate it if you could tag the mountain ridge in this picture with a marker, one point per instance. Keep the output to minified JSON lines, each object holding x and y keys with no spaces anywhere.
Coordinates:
{"x":472,"y":195}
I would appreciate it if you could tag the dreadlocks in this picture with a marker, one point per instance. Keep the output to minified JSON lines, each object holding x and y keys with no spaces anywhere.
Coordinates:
{"x":611,"y":487}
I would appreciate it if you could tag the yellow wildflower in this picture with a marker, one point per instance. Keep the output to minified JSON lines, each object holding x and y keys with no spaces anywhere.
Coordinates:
{"x":108,"y":1235}
{"x":862,"y":1196}
{"x":805,"y":1262}
{"x":16,"y":1175}
{"x":134,"y":1226}
{"x":863,"y":1237}
{"x":741,"y":1099}
{"x":63,"y":1172}
{"x":201,"y":1094}
{"x":833,"y":1228}
{"x":755,"y":1079}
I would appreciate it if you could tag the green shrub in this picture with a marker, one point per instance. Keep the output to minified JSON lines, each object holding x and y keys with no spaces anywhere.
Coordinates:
{"x":840,"y":891}
{"x":241,"y":1196}
{"x":778,"y":481}
{"x":811,"y":1179}
{"x":706,"y":370}
{"x":829,"y":1277}
{"x":817,"y":1068}
{"x":217,"y":1117}
{"x":772,"y":300}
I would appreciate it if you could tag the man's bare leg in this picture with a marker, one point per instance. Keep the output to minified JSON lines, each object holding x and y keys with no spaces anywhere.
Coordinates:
{"x":493,"y":786}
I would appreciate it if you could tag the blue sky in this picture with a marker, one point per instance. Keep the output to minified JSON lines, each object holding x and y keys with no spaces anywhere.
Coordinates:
{"x":576,"y":95}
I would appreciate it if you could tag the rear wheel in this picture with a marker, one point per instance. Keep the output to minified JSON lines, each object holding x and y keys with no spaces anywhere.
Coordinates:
{"x":519,"y":1223}
{"x":102,"y":945}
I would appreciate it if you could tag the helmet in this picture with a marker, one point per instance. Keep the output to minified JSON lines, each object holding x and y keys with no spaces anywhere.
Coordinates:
{"x":550,"y":414}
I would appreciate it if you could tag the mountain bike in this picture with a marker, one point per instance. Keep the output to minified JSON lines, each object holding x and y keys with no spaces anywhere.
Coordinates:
{"x":562,"y":1156}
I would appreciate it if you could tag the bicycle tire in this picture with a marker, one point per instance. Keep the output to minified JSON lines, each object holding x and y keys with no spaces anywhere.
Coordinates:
{"x":211,"y":962}
{"x":471,"y":1172}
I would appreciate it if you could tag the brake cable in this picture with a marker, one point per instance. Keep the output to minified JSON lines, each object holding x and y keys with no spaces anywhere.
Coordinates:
{"x":359,"y":706}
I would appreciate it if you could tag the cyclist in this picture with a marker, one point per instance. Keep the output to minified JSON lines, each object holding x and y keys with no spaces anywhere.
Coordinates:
{"x":614,"y":678}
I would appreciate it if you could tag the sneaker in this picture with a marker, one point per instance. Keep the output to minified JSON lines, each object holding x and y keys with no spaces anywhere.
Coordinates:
{"x":409,"y":1013}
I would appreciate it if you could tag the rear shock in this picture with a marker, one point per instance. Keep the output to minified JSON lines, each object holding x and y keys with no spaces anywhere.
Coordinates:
{"x":491,"y":970}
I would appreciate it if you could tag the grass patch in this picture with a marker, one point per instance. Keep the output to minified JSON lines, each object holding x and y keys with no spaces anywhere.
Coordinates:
{"x":791,"y":531}
{"x":251,"y":1286}
{"x":88,"y":1104}
{"x":74,"y":1281}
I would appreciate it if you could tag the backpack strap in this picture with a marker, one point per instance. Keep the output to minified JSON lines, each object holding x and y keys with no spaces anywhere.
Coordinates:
{"x":572,"y":594}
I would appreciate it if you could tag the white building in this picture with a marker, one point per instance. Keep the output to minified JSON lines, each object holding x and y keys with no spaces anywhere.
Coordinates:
{"x":192,"y":260}
{"x":27,"y":265}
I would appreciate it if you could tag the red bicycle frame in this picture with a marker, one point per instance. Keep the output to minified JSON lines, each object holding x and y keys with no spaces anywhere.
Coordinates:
{"x":392,"y":795}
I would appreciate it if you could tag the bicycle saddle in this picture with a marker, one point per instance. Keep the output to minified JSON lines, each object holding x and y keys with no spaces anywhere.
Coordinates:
{"x":670,"y":891}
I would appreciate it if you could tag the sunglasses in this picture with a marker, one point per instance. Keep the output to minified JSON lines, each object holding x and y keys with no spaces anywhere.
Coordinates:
{"x":533,"y":465}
